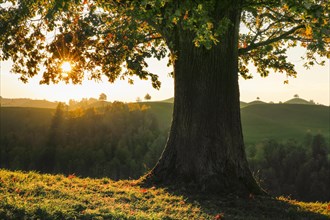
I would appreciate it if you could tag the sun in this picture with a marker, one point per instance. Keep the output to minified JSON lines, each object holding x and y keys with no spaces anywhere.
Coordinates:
{"x":66,"y":66}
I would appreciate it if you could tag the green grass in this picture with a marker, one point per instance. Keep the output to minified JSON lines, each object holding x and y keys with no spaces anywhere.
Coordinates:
{"x":34,"y":196}
{"x":170,"y":100}
{"x":284,"y":121}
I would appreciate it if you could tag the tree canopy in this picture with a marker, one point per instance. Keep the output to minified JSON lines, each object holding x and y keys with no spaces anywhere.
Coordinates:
{"x":147,"y":97}
{"x":114,"y":38}
{"x":103,"y":97}
{"x":205,"y":148}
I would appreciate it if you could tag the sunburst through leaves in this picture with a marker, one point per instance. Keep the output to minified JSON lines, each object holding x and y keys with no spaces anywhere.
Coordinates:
{"x":66,"y":67}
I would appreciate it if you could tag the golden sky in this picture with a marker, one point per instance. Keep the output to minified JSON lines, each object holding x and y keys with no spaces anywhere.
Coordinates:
{"x":312,"y":84}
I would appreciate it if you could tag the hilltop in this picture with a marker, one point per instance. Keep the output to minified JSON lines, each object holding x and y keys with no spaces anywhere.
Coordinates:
{"x":259,"y":120}
{"x":299,"y":101}
{"x":92,"y":102}
{"x":24,"y":102}
{"x":295,"y":100}
{"x":30,"y":195}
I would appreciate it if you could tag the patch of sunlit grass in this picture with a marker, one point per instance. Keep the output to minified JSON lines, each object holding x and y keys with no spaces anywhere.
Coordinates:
{"x":319,"y":207}
{"x":29,"y":195}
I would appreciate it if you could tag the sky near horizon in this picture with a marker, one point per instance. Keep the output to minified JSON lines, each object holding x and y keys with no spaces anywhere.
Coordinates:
{"x":312,"y":84}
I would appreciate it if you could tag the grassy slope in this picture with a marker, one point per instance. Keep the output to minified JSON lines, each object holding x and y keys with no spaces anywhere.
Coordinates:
{"x":34,"y":196}
{"x":298,"y":101}
{"x":284,"y":121}
{"x":276,"y":121}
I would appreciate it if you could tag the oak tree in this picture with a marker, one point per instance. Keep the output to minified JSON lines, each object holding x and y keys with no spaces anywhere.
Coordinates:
{"x":147,"y":97}
{"x":206,"y":48}
{"x":103,"y":97}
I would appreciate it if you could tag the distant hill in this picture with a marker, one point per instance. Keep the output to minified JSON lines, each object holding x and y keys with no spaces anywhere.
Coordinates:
{"x":284,"y":121}
{"x":256,"y":102}
{"x":31,"y":103}
{"x":243,"y":104}
{"x":299,"y":101}
{"x":22,"y":102}
{"x":89,"y":103}
{"x":171,"y":100}
{"x":259,"y":121}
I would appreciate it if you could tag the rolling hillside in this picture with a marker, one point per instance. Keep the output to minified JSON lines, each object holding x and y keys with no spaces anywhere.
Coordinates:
{"x":298,"y":101}
{"x":259,"y":121}
{"x":271,"y":121}
{"x":30,"y":195}
{"x":171,"y":100}
{"x":28,"y":103}
{"x":284,"y":121}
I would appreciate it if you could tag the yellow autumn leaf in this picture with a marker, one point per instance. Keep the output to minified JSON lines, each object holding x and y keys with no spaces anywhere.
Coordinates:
{"x":257,"y":21}
{"x":209,"y":25}
{"x":175,"y":20}
{"x":308,"y":31}
{"x":285,"y":7}
{"x":325,"y":21}
{"x":185,"y":16}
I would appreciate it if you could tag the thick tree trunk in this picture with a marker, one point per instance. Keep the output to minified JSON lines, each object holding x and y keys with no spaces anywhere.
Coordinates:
{"x":205,"y":147}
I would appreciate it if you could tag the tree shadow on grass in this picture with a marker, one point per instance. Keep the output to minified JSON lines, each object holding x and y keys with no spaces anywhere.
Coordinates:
{"x":252,"y":207}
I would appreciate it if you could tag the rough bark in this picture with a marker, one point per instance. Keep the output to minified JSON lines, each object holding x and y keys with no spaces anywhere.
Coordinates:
{"x":205,"y":148}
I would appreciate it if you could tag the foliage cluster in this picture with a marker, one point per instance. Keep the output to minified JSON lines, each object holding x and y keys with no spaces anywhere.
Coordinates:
{"x":35,"y":196}
{"x":114,"y":38}
{"x":300,"y":170}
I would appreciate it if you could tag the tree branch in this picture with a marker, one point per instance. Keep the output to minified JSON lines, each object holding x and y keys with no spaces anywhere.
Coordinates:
{"x":270,"y":40}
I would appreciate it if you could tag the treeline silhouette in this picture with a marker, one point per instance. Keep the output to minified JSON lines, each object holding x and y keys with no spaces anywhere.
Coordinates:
{"x":118,"y":141}
{"x":297,"y":169}
{"x":123,"y":141}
